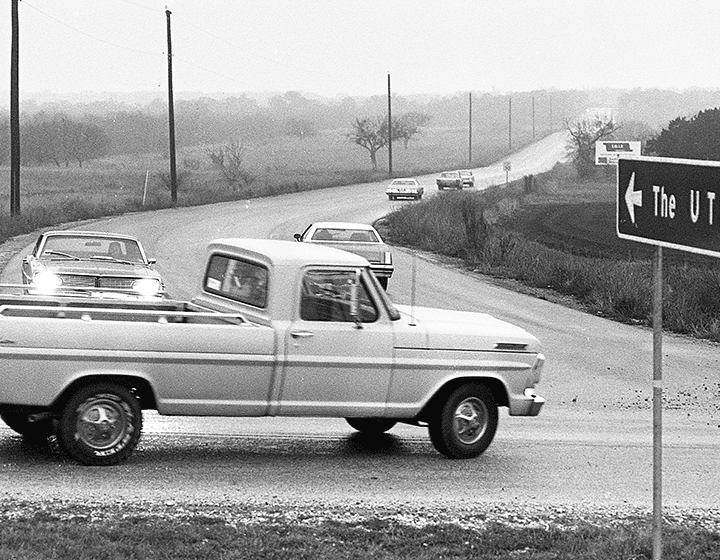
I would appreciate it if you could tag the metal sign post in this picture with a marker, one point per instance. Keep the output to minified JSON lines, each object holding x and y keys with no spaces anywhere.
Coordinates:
{"x":657,"y":403}
{"x":671,"y":203}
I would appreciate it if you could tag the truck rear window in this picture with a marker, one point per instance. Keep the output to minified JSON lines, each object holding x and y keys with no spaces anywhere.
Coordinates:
{"x":237,"y":279}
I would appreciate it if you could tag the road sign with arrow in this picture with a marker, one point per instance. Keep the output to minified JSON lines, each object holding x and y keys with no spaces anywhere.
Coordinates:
{"x":670,"y":202}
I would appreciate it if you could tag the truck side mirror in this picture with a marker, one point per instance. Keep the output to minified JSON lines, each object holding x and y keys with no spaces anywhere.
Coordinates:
{"x":297,"y":237}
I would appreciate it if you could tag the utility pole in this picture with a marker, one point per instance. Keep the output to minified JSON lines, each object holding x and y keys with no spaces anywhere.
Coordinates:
{"x":389,"y":129}
{"x":470,"y":129}
{"x":15,"y":113}
{"x":171,"y":115}
{"x":533,"y":115}
{"x":510,"y":123}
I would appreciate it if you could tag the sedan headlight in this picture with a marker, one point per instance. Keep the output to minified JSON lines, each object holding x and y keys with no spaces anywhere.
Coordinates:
{"x":46,"y":282}
{"x":146,"y":287}
{"x":387,"y":257}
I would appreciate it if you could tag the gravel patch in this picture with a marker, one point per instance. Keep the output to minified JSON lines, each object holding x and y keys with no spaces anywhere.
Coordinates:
{"x":311,"y":513}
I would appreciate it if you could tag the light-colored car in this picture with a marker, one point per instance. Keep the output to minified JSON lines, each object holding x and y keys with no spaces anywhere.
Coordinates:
{"x":361,"y":239}
{"x":91,"y":263}
{"x":449,"y":180}
{"x":404,"y":188}
{"x":468,"y":179}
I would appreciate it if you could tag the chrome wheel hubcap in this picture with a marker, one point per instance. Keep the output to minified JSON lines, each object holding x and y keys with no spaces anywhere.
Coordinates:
{"x":102,"y":422}
{"x":470,"y":420}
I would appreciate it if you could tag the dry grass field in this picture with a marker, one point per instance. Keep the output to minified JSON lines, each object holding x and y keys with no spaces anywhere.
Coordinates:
{"x":51,"y":195}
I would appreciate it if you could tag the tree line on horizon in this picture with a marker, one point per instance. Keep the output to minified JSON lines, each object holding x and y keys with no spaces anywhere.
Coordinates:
{"x":65,"y":133}
{"x":119,"y":129}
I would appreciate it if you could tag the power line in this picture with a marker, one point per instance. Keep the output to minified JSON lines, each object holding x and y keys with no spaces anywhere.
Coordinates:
{"x":88,"y":34}
{"x":249,"y":52}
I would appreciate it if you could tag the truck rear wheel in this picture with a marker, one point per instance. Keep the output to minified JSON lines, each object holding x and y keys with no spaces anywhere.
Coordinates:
{"x":466,"y":423}
{"x":100,"y":425}
{"x":371,"y":425}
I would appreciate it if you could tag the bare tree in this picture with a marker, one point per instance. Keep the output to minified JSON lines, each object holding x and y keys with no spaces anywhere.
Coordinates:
{"x":583,"y":135}
{"x":371,"y":134}
{"x":228,"y":159}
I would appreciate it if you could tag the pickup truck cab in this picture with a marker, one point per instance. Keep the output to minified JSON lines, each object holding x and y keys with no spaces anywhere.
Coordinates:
{"x":278,"y":329}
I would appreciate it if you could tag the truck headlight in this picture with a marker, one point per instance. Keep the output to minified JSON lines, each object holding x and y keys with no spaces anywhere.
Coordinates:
{"x":146,"y":287}
{"x":46,"y":282}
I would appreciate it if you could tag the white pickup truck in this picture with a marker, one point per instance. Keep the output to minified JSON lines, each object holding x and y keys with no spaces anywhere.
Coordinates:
{"x":279,"y":329}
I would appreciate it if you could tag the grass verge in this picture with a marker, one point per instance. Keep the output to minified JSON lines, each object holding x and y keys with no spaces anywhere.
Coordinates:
{"x":224,"y":532}
{"x":557,"y":235}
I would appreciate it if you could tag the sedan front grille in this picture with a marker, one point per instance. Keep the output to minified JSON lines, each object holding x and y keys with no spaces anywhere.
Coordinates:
{"x":83,"y":281}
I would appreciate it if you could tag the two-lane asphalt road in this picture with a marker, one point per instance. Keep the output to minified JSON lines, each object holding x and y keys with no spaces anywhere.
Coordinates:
{"x":591,"y":444}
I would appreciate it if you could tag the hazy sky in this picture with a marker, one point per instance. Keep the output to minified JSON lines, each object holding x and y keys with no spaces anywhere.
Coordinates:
{"x":335,"y":47}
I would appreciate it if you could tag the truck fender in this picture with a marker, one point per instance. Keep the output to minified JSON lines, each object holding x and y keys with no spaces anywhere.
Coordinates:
{"x":448,"y":386}
{"x":136,"y":382}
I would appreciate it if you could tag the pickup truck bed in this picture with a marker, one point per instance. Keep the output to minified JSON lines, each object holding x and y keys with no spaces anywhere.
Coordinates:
{"x":88,"y":309}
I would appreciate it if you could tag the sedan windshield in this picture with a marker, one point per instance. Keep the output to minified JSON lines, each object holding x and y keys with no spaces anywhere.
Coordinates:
{"x":85,"y":247}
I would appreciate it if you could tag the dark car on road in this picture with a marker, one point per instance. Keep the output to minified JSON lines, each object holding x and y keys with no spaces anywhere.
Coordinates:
{"x":90,"y":263}
{"x":468,"y":179}
{"x":449,"y":180}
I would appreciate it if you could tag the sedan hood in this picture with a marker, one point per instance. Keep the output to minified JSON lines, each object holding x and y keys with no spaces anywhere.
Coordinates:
{"x":444,"y":329}
{"x":99,"y":268}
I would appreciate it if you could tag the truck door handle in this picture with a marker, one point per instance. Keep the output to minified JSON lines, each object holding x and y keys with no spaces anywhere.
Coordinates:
{"x":301,"y":334}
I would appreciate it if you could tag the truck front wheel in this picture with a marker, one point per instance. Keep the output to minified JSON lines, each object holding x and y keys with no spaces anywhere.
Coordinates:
{"x":466,"y":423}
{"x":100,"y":425}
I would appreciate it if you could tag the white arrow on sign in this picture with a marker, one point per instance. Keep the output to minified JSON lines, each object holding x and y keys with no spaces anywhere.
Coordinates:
{"x":633,"y":198}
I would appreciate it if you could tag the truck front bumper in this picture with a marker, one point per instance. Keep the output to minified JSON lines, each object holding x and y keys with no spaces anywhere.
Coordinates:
{"x":529,"y":404}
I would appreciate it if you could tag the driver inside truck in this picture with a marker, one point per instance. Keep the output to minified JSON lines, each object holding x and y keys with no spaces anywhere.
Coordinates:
{"x":249,"y":284}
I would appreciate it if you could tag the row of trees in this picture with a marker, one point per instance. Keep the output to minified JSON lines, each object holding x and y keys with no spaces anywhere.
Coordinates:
{"x":136,"y":129}
{"x":59,"y":140}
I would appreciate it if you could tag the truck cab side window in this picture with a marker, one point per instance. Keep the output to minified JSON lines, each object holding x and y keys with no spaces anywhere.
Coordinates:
{"x":326,"y":296}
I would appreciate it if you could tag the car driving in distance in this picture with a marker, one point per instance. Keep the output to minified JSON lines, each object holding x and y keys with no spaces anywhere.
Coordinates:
{"x":449,"y":180}
{"x":361,"y":239}
{"x":404,"y":188}
{"x":91,"y":263}
{"x":468,"y":179}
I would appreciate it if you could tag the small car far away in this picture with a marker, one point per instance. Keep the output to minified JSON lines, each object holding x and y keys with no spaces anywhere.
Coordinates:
{"x":450,"y":180}
{"x":467,"y":177}
{"x":404,"y":188}
{"x":94,"y":264}
{"x":360,"y":239}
